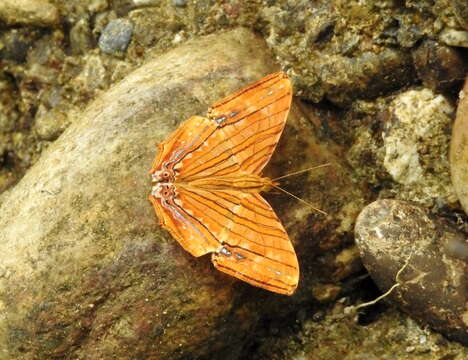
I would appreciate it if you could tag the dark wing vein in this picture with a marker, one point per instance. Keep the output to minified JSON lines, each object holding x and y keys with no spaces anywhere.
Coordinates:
{"x":216,"y":208}
{"x":254,"y":138}
{"x":239,"y":132}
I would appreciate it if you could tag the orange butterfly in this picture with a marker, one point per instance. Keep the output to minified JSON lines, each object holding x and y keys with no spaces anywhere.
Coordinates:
{"x":207,"y":183}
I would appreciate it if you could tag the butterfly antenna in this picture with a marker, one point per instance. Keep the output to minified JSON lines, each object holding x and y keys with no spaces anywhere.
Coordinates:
{"x":299,"y":199}
{"x":301,"y":171}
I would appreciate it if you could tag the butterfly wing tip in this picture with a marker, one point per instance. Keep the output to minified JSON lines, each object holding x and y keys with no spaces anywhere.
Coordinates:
{"x":290,"y":291}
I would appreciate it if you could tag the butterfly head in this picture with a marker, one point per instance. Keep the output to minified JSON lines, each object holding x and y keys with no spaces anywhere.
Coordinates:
{"x":163,"y":187}
{"x":162,"y":176}
{"x":163,"y":191}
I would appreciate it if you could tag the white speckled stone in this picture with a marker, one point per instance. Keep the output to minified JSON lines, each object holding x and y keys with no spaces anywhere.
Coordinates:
{"x":416,"y":142}
{"x":454,"y":37}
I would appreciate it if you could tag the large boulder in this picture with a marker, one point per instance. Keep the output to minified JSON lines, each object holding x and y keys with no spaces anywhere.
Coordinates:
{"x":85,"y":270}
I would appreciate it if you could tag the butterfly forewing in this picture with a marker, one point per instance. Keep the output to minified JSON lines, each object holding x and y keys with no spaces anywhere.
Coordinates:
{"x":212,"y":203}
{"x":250,"y":124}
{"x":189,"y":136}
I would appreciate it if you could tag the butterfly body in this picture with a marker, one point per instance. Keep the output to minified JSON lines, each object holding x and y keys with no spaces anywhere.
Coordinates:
{"x":242,"y":182}
{"x":207,"y":182}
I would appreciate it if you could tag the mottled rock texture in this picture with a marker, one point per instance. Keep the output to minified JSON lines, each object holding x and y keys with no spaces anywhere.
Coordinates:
{"x":460,"y":10}
{"x":416,"y":144}
{"x":433,"y":283}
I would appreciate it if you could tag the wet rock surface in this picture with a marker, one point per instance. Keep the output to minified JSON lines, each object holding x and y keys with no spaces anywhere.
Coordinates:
{"x":459,"y":150}
{"x":433,"y":284}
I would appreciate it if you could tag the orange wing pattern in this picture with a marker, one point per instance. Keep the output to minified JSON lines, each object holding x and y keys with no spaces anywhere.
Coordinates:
{"x":241,"y":230}
{"x":188,"y":231}
{"x":257,"y":248}
{"x":240,"y":134}
{"x":207,"y":186}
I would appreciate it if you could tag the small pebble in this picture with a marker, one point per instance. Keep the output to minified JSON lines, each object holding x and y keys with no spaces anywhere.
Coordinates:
{"x":116,"y":36}
{"x":452,"y":37}
{"x":49,"y":124}
{"x":440,"y":67}
{"x":14,"y":44}
{"x":81,"y":37}
{"x":92,"y":76}
{"x":180,"y":3}
{"x":326,"y":292}
{"x":96,"y":6}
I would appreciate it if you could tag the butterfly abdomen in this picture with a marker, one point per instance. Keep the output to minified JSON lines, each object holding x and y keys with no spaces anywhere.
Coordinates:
{"x":244,"y":183}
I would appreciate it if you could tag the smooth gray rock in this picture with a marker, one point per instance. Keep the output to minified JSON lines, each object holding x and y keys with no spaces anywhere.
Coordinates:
{"x":85,"y":270}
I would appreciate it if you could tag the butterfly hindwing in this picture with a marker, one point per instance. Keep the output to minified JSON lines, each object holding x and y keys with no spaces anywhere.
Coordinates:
{"x":257,"y":248}
{"x":254,"y":246}
{"x":240,"y":229}
{"x":188,"y":232}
